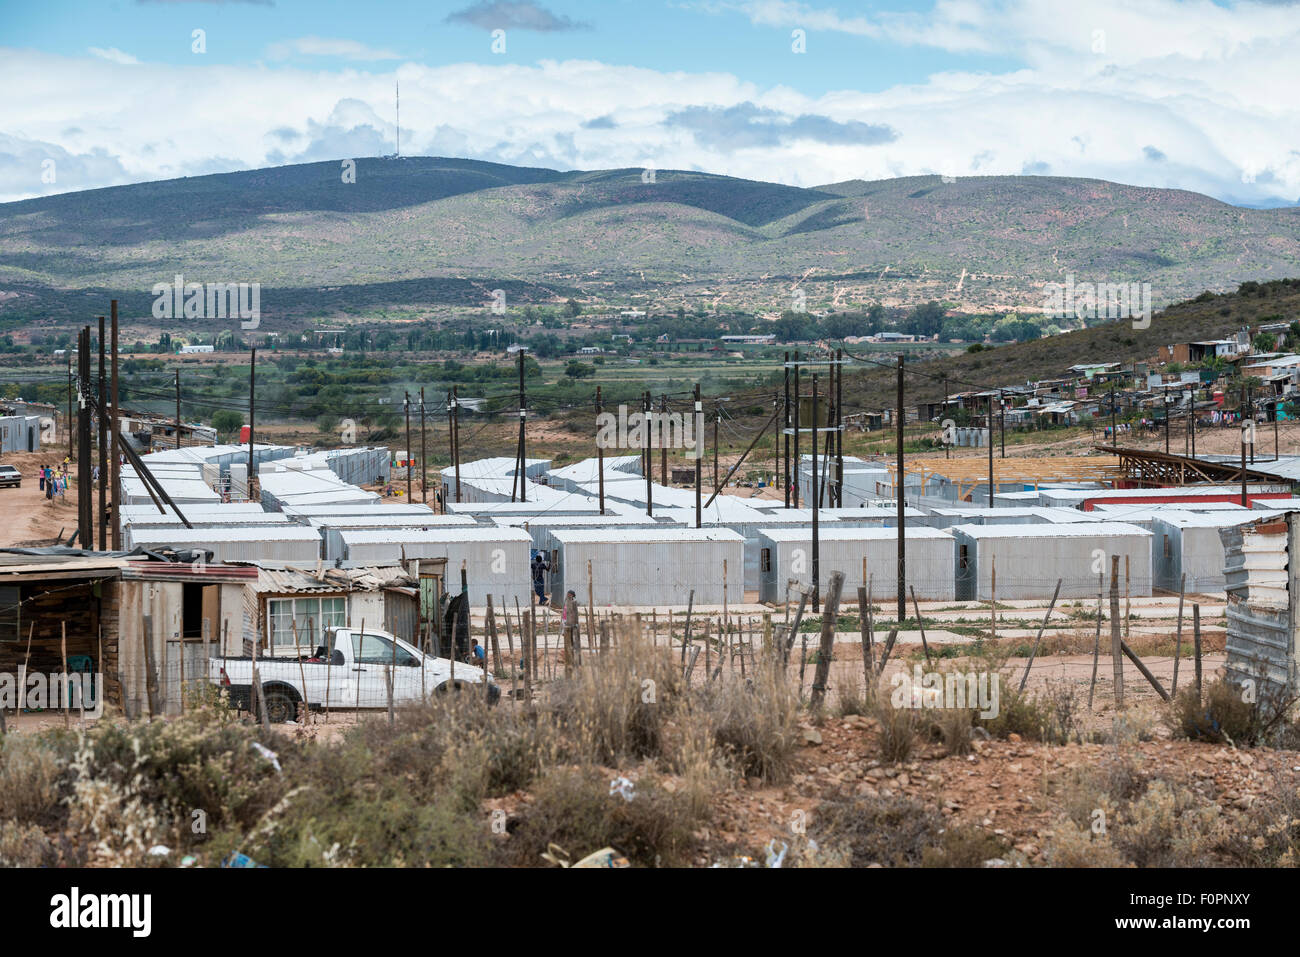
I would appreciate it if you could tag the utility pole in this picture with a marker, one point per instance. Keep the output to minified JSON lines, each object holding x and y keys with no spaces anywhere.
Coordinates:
{"x":898,"y":492}
{"x":1250,"y":410}
{"x":717,"y":417}
{"x":102,"y":409}
{"x":839,"y":428}
{"x":648,"y":430}
{"x":785,"y":427}
{"x":453,"y":442}
{"x":85,"y":515}
{"x":1192,"y":413}
{"x":113,"y":439}
{"x":797,"y":468}
{"x":699,"y":441}
{"x":600,"y":455}
{"x":663,"y":447}
{"x":816,"y":502}
{"x":1114,"y":435}
{"x":71,"y":442}
{"x":1002,"y":415}
{"x":177,"y":373}
{"x":523,"y":418}
{"x":943,"y":410}
{"x":1245,"y":424}
{"x":406,"y":408}
{"x":424,"y":463}
{"x":455,"y":418}
{"x":1276,"y":404}
{"x":990,"y":450}
{"x":1166,"y":423}
{"x":252,"y":381}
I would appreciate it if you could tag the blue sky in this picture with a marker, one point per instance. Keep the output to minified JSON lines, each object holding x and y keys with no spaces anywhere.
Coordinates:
{"x":1175,"y":93}
{"x":664,"y":36}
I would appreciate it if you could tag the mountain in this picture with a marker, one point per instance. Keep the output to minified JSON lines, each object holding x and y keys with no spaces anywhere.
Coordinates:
{"x":434,"y":235}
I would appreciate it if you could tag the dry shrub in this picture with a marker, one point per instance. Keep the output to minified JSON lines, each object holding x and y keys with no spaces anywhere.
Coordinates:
{"x":953,"y":727}
{"x":574,"y":809}
{"x":30,"y":776}
{"x":1268,"y":833}
{"x":1226,"y":714}
{"x":853,"y":699}
{"x":616,"y":704}
{"x":1073,"y":846}
{"x":1114,"y":816}
{"x":1058,"y":708}
{"x":899,"y":832}
{"x":1018,"y":713}
{"x":899,"y":727}
{"x":25,"y":845}
{"x":754,"y":721}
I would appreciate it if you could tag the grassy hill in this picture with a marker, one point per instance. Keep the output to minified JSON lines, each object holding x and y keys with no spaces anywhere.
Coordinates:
{"x":1207,"y":316}
{"x":420,"y":232}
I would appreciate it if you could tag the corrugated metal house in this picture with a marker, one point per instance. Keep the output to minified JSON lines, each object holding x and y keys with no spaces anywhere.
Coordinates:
{"x":649,"y":566}
{"x":1030,"y":558}
{"x":495,"y":559}
{"x":786,"y":553}
{"x":286,"y":542}
{"x":331,"y":528}
{"x":541,"y":526}
{"x":20,"y":433}
{"x":1186,"y":543}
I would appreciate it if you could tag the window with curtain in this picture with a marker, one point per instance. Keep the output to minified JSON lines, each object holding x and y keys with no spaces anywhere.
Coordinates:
{"x":312,"y":617}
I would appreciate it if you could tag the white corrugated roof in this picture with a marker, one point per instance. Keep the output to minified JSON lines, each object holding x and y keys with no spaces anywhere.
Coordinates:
{"x":286,"y":532}
{"x":839,"y":533}
{"x":452,"y":534}
{"x":645,"y":536}
{"x":390,"y":521}
{"x":1074,"y":530}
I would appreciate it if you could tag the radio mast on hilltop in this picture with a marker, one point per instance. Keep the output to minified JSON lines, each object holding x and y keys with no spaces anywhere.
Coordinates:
{"x":397,"y":90}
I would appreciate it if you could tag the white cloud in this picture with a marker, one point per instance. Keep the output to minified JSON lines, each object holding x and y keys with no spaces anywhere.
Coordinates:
{"x":112,"y":55}
{"x":1212,"y":91}
{"x":327,"y":46}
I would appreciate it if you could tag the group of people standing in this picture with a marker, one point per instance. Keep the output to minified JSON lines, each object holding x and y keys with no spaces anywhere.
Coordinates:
{"x":54,"y":479}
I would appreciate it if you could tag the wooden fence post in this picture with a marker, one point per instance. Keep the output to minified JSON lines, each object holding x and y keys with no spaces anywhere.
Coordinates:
{"x":830,"y":615}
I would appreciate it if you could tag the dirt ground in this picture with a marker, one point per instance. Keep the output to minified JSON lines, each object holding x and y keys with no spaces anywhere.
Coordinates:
{"x":29,"y":518}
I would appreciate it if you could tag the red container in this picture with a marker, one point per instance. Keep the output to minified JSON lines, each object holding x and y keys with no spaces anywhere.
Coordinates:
{"x":243,"y":434}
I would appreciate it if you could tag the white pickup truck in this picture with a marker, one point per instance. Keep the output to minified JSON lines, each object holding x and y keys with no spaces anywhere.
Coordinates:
{"x":351,"y":673}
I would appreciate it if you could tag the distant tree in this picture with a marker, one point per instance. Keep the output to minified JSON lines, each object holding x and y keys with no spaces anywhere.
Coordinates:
{"x":572,"y":309}
{"x":792,"y":325}
{"x":578,"y":370}
{"x":227,"y":422}
{"x":925,"y":319}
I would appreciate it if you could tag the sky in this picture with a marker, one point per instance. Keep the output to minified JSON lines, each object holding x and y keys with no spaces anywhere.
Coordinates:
{"x":1187,"y":94}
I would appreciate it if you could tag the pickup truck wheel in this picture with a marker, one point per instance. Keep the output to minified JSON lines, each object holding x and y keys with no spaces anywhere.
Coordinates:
{"x":280,"y":707}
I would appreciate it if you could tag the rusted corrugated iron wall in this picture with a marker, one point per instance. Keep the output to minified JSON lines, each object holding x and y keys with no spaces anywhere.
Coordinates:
{"x":1261,"y":619}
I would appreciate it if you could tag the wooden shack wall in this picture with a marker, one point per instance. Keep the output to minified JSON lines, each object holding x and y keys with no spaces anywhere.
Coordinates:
{"x":84,"y":607}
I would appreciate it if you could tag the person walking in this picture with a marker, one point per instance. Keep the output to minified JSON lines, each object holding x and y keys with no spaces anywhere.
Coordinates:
{"x":540,"y":567}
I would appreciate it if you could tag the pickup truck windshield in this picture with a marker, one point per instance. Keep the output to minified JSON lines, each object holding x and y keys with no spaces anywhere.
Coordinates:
{"x":378,"y":650}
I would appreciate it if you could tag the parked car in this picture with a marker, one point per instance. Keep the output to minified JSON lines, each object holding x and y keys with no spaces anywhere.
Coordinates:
{"x":10,"y":476}
{"x":351,"y":671}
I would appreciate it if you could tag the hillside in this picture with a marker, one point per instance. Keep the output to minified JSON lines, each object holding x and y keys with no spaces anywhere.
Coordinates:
{"x":1207,"y":316}
{"x":425,"y":232}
